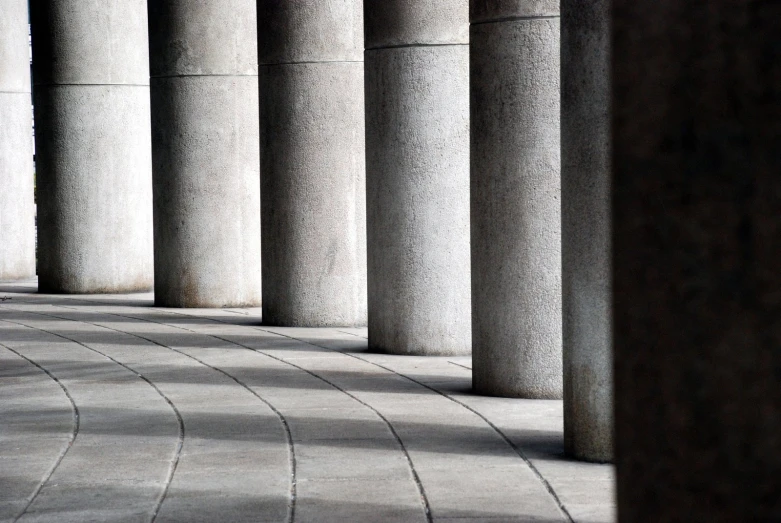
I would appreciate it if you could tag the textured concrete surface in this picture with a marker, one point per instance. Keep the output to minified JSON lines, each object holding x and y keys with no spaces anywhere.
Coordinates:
{"x":117,"y":410}
{"x":417,"y":176}
{"x":93,"y":152}
{"x":515,"y":205}
{"x":585,"y":229}
{"x":492,"y":11}
{"x":313,"y":193}
{"x":696,"y":249}
{"x":205,"y":153}
{"x":391,"y":23}
{"x":17,"y":207}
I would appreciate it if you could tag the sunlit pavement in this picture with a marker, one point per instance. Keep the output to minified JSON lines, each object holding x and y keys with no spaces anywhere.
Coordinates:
{"x":114,"y":410}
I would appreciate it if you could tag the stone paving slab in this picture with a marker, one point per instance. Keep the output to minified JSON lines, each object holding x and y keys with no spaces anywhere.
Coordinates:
{"x":206,"y":415}
{"x":37,"y":423}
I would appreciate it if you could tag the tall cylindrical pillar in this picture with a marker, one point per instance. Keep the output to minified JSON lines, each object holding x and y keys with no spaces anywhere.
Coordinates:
{"x":696,"y":245}
{"x":205,"y":153}
{"x":17,"y":206}
{"x":515,"y":205}
{"x":93,"y":152}
{"x":313,"y":201}
{"x":417,"y":176}
{"x":585,"y":234}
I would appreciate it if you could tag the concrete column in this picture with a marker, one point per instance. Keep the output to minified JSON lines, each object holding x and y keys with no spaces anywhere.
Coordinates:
{"x":697,"y":240}
{"x":585,"y":234}
{"x":515,"y":205}
{"x":313,"y":191}
{"x":93,"y":153}
{"x":17,"y":207}
{"x":205,"y":154}
{"x":417,"y":175}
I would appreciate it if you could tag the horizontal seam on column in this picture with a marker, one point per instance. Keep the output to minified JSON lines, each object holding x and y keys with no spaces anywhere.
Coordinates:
{"x":15,"y":92}
{"x":89,"y":85}
{"x":402,"y":46}
{"x":515,"y":19}
{"x":313,"y":62}
{"x":201,"y":75}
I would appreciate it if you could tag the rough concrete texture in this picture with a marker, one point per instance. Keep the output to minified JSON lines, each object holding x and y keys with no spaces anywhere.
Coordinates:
{"x":696,"y":250}
{"x":417,"y":178}
{"x":391,"y":23}
{"x":515,"y":208}
{"x":490,"y":11}
{"x":17,"y":206}
{"x":202,"y":38}
{"x":202,"y":415}
{"x":585,"y":229}
{"x":291,"y":31}
{"x":93,"y":156}
{"x":86,"y":43}
{"x":205,"y":153}
{"x":313,"y":196}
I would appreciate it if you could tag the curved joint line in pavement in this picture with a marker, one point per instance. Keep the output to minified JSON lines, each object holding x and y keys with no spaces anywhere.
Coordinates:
{"x":518,"y":450}
{"x":179,"y":420}
{"x":507,"y":440}
{"x":282,"y":419}
{"x":416,"y":477}
{"x":66,"y":448}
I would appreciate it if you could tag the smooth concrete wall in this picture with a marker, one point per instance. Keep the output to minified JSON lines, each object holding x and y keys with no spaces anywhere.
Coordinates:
{"x":17,"y":206}
{"x":205,"y":152}
{"x":93,"y":153}
{"x":585,"y":235}
{"x":696,"y":243}
{"x":515,"y":199}
{"x":417,"y":176}
{"x":313,"y":193}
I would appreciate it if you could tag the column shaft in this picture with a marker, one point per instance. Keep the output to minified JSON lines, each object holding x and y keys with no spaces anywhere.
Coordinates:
{"x":93,"y":159}
{"x":696,"y":134}
{"x":417,"y":176}
{"x":205,"y":154}
{"x":313,"y":201}
{"x":515,"y":204}
{"x":585,"y":235}
{"x":17,"y":206}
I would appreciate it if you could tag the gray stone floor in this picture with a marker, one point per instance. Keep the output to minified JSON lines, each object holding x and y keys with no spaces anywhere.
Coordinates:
{"x":114,"y":410}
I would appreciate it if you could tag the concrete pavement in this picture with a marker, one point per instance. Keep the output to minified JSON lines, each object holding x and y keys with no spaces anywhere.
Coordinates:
{"x":115,"y":410}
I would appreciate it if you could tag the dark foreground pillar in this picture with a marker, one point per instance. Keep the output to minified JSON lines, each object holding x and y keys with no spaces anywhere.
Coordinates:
{"x":17,"y":207}
{"x":697,"y":244}
{"x":93,"y":147}
{"x":417,"y":175}
{"x":515,"y":199}
{"x":313,"y":190}
{"x":585,"y":229}
{"x":206,"y":166}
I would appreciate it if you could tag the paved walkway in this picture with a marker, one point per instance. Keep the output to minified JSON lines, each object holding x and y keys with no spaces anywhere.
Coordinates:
{"x":114,"y":410}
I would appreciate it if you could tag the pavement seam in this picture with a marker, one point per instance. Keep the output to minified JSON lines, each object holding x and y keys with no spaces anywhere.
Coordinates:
{"x":507,"y":440}
{"x":516,"y":448}
{"x":416,"y":477}
{"x":548,"y":487}
{"x":66,"y":448}
{"x":459,"y":365}
{"x":180,"y":422}
{"x":282,"y":419}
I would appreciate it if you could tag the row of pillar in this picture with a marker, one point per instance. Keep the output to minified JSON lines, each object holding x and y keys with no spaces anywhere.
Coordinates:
{"x":645,"y":240}
{"x":341,"y":173}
